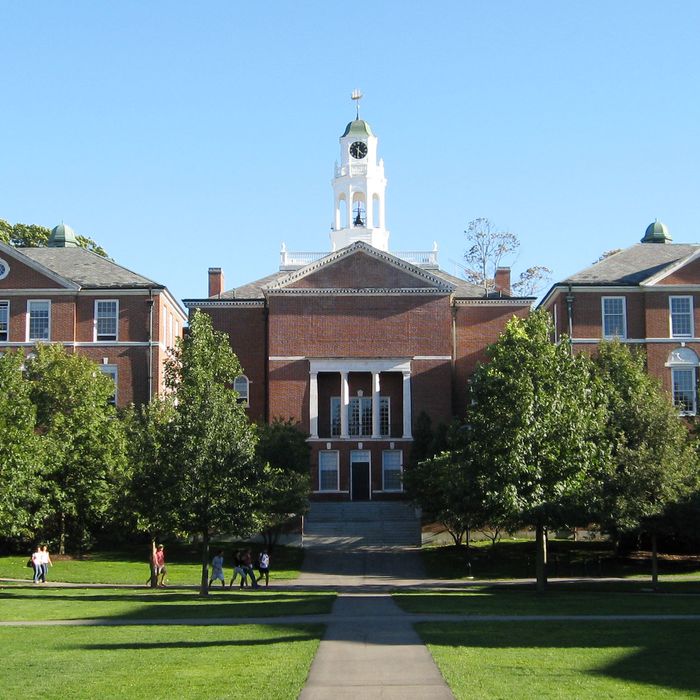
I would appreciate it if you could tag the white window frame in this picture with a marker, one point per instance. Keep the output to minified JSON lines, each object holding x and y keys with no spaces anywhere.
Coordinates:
{"x":243,"y":396}
{"x":335,"y":402}
{"x":694,"y":387}
{"x":96,"y":337}
{"x":607,"y":336}
{"x":384,"y":470}
{"x":5,"y":304}
{"x":113,"y":372}
{"x":322,"y":469}
{"x":30,"y":302}
{"x":691,"y":334}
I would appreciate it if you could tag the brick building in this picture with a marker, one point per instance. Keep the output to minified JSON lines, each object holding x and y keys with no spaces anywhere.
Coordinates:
{"x":354,"y":344}
{"x":647,"y":296}
{"x":62,"y":293}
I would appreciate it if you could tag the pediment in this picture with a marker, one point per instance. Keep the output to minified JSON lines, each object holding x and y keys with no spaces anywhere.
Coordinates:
{"x":360,"y":268}
{"x":687,"y":273}
{"x":25,"y":273}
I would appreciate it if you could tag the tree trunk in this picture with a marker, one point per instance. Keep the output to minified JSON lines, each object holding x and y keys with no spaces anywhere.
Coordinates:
{"x":62,"y":536}
{"x":152,"y":564}
{"x":204,"y":584}
{"x":654,"y":562}
{"x":541,"y":558}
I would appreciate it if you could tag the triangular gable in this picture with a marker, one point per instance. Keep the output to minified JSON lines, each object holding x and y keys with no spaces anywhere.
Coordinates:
{"x":26,"y":273}
{"x":360,"y":267}
{"x":683,"y":272}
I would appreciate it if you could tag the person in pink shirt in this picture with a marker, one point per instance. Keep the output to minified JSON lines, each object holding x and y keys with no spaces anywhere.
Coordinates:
{"x":159,"y":564}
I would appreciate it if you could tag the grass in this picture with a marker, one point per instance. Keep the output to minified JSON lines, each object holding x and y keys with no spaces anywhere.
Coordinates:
{"x":516,"y":559}
{"x":545,"y":660}
{"x":71,"y":604}
{"x":131,"y":567}
{"x":157,"y":662}
{"x":489,"y":601}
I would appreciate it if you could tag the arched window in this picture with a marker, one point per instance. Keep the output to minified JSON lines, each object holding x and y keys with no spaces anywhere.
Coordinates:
{"x":359,"y":210}
{"x":240,"y":386}
{"x":683,"y":363}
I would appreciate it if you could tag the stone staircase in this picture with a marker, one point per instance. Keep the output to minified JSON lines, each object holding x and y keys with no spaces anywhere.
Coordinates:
{"x":350,"y":525}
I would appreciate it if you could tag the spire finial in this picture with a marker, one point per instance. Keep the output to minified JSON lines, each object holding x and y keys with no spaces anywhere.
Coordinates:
{"x":357,"y":96}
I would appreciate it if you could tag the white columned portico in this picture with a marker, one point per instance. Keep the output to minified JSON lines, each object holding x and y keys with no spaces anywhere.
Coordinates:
{"x":376,"y":418}
{"x":313,"y":404}
{"x":344,"y":403}
{"x":407,"y":404}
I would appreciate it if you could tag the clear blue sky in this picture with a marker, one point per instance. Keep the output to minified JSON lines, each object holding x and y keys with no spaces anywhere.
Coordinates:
{"x":187,"y":135}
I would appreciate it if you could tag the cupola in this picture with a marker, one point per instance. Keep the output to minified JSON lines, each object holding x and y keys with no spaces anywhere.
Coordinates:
{"x":62,"y":236}
{"x":657,"y":232}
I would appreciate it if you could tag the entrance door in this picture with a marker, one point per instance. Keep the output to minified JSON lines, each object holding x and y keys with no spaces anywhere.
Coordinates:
{"x":359,"y":467}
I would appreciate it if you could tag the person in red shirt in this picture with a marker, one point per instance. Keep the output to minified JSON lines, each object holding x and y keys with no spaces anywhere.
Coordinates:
{"x":159,"y":564}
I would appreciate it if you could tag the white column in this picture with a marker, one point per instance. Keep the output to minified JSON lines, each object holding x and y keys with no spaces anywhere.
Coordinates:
{"x":344,"y":403}
{"x":376,"y":422}
{"x":313,"y":404}
{"x":407,"y":405}
{"x":348,"y":223}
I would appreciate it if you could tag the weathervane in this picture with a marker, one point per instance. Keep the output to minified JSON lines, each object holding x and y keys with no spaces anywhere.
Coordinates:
{"x":357,"y":96}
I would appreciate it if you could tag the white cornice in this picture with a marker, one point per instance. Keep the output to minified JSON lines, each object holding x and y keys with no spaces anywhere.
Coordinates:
{"x":440,"y":285}
{"x":528,"y":301}
{"x":351,"y":291}
{"x":218,"y":303}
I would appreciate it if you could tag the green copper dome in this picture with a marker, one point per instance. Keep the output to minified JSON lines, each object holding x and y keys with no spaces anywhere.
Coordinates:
{"x":657,"y":232}
{"x":62,"y":236}
{"x":358,"y":127}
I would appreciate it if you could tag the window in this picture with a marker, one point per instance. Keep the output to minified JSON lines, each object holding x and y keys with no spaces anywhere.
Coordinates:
{"x":614,"y":321}
{"x":106,"y":319}
{"x":684,"y":394}
{"x":392,"y":467}
{"x":4,"y":321}
{"x":328,"y":470}
{"x":681,"y":312}
{"x":360,"y":416}
{"x":38,"y":320}
{"x":111,"y":371}
{"x":240,"y":386}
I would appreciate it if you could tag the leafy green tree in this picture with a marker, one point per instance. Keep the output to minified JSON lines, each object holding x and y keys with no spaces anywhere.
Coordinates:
{"x":146,"y":501}
{"x":284,"y":490}
{"x":653,"y":464}
{"x":20,"y":451}
{"x":209,"y":452}
{"x":536,"y":419}
{"x":82,"y":440}
{"x":34,"y":236}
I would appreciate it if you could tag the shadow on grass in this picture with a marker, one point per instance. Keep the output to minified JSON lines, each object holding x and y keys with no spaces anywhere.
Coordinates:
{"x":660,"y":653}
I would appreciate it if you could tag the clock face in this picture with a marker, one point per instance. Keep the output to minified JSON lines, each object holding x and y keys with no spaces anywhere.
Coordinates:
{"x":358,"y":149}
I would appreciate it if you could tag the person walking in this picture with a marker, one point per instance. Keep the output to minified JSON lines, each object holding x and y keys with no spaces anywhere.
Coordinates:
{"x":248,"y":567}
{"x":45,"y":559}
{"x":264,"y":567}
{"x":217,"y":569}
{"x":36,"y":564}
{"x":238,"y":570}
{"x":159,"y":565}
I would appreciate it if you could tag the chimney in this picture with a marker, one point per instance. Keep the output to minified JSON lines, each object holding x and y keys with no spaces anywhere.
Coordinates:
{"x":502,"y":281}
{"x":216,"y":282}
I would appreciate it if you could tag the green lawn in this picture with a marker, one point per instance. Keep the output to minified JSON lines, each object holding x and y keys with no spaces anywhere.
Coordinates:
{"x":70,"y":604}
{"x":184,"y":566}
{"x":516,"y":559}
{"x":492,"y":601}
{"x":567,"y":660}
{"x":157,"y":662}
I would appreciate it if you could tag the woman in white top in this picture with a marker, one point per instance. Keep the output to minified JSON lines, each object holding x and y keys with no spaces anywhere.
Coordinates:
{"x":46,"y":562}
{"x":36,"y":563}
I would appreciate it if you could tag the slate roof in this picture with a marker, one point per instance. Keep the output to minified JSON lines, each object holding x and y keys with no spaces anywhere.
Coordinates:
{"x":634,"y":265}
{"x":88,"y":269}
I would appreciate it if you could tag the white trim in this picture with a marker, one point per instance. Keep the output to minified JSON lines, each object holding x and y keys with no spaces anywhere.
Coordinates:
{"x":282,"y":358}
{"x":112,"y":370}
{"x":353,"y":454}
{"x":205,"y":303}
{"x":6,"y":303}
{"x":520,"y":301}
{"x":337,"y":471}
{"x":639,"y":341}
{"x":116,"y":325}
{"x":384,"y":488}
{"x":691,"y":312}
{"x":38,"y":267}
{"x":338,"y":491}
{"x":348,"y":364}
{"x":6,"y":265}
{"x":243,"y":399}
{"x":350,"y":291}
{"x":28,"y":321}
{"x":624,"y":317}
{"x":432,"y":357}
{"x":651,"y":281}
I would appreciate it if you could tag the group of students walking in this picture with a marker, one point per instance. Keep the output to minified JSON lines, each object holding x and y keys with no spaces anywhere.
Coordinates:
{"x":40,"y":562}
{"x":243,"y":567}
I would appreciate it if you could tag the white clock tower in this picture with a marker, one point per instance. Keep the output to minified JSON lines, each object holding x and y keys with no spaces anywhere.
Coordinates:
{"x":359,"y":188}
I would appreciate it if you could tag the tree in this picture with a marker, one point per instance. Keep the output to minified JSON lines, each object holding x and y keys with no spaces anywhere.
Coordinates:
{"x":83,"y":442}
{"x":535,"y":422}
{"x":531,"y":281}
{"x":284,"y":489}
{"x":653,"y":464}
{"x":209,"y":452}
{"x":20,"y":451}
{"x":146,"y":501}
{"x":487,"y":247}
{"x":35,"y":236}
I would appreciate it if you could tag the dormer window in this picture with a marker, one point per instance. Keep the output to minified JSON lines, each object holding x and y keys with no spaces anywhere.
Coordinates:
{"x":681,"y":317}
{"x":614,"y":317}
